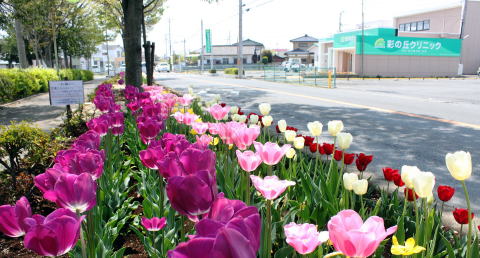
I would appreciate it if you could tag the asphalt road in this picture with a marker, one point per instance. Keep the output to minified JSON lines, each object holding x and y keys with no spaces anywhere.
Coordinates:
{"x":400,"y":122}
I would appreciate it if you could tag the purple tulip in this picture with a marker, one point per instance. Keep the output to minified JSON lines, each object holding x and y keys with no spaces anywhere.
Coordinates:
{"x":149,"y":130}
{"x":131,"y":92}
{"x":133,"y":106}
{"x":188,"y":162}
{"x":231,"y":229}
{"x":12,"y":218}
{"x":77,"y":193}
{"x":87,"y":162}
{"x":121,"y":82}
{"x":192,"y":195}
{"x":88,"y":140}
{"x":46,"y":181}
{"x":151,"y":156}
{"x":153,"y":224}
{"x":99,"y":125}
{"x":102,"y":103}
{"x":53,"y":235}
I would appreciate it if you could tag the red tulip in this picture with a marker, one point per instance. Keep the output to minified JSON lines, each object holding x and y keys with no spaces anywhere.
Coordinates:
{"x":445,"y":193}
{"x":328,"y":148}
{"x":388,"y":173}
{"x":348,"y":159}
{"x":461,"y":216}
{"x":363,"y":161}
{"x":409,"y":194}
{"x":308,"y":140}
{"x":397,"y":179}
{"x":314,"y":147}
{"x":338,"y":155}
{"x":321,"y":150}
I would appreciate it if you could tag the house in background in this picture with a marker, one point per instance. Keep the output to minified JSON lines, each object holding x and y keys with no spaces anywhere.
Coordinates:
{"x":301,"y":50}
{"x":227,"y":54}
{"x":99,"y":60}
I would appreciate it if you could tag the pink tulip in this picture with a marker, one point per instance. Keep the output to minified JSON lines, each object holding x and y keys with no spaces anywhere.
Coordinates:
{"x":214,"y":128}
{"x":46,"y":181}
{"x":218,"y":112}
{"x":204,"y":140}
{"x":53,"y":235}
{"x":304,"y":238}
{"x":271,"y":153}
{"x":149,"y":130}
{"x":99,"y":125}
{"x":270,"y":187}
{"x":188,"y":118}
{"x":186,"y":100}
{"x":248,"y":160}
{"x":77,"y":193}
{"x":200,"y":128}
{"x":354,"y":238}
{"x":244,"y":137}
{"x":12,"y":218}
{"x":227,"y":131}
{"x":133,"y":106}
{"x":153,"y":224}
{"x":179,"y":117}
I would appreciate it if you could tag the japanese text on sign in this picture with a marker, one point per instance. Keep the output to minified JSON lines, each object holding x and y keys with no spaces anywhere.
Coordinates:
{"x":66,"y":92}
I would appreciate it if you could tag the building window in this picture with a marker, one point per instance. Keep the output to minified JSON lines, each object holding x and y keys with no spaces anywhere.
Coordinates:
{"x":402,"y":27}
{"x":407,"y":27}
{"x":420,"y":25}
{"x":304,"y":60}
{"x":413,"y":26}
{"x":303,"y":45}
{"x":225,"y":60}
{"x":426,"y":25}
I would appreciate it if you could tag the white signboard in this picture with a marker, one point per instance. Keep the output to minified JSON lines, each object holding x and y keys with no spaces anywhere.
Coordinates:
{"x":64,"y":93}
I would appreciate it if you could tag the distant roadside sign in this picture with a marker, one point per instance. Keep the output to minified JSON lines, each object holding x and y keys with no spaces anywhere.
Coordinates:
{"x":208,"y":37}
{"x":64,"y":93}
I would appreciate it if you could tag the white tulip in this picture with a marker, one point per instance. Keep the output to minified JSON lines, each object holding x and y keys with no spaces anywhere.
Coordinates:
{"x":334,"y":127}
{"x":423,"y":184}
{"x":253,"y":119}
{"x":235,"y":117}
{"x":267,"y":121}
{"x":282,"y":125}
{"x":344,"y":140}
{"x":459,"y":164}
{"x":290,"y":135}
{"x":290,"y":153}
{"x":299,"y":143}
{"x":360,"y":187}
{"x":408,"y":173}
{"x":348,"y":180}
{"x":234,"y":110}
{"x":265,"y":108}
{"x":242,"y":119}
{"x":315,"y":128}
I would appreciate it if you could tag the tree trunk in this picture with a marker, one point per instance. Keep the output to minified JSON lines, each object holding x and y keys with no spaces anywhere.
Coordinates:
{"x":70,"y":62}
{"x":65,"y":57}
{"x":22,"y":54}
{"x":132,"y":40}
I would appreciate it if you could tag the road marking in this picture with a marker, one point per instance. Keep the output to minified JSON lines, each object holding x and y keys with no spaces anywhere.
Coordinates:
{"x":383,"y":110}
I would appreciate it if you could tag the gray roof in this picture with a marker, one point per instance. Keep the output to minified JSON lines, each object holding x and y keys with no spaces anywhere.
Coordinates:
{"x":249,"y":42}
{"x":305,"y":38}
{"x":298,"y":51}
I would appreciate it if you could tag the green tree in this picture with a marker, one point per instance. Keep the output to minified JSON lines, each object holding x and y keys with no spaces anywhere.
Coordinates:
{"x":268,"y":54}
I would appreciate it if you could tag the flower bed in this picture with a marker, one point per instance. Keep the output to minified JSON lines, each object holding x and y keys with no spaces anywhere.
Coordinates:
{"x":195,"y":181}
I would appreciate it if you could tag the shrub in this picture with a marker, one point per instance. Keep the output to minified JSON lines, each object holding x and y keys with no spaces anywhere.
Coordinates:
{"x":212,"y":71}
{"x":231,"y":71}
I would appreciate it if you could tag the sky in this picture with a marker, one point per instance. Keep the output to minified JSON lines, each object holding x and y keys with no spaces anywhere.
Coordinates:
{"x":272,"y":22}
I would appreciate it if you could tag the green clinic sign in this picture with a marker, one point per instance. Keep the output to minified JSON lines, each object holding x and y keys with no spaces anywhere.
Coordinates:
{"x":347,"y":39}
{"x":208,"y":37}
{"x":408,"y":46}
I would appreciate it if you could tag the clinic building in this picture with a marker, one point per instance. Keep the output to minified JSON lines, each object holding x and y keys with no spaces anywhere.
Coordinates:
{"x":429,"y":43}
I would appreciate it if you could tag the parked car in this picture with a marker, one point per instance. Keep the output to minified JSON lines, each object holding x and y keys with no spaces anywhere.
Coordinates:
{"x":162,"y":67}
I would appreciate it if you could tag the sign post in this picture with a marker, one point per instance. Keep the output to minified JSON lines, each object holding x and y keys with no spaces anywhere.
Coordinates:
{"x":66,"y":92}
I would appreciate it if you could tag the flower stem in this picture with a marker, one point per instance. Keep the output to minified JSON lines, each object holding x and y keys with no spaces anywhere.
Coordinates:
{"x":469,"y":236}
{"x":269,"y":228}
{"x":82,"y":240}
{"x":247,"y":189}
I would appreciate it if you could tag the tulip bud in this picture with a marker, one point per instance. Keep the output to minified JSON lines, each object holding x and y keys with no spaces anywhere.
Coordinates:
{"x":290,"y":135}
{"x":344,"y":140}
{"x":264,"y":108}
{"x":267,"y":121}
{"x":408,"y":173}
{"x":234,"y":110}
{"x":299,"y":143}
{"x":253,"y":119}
{"x":334,"y":127}
{"x":290,"y":153}
{"x":360,"y":187}
{"x":282,"y":125}
{"x":348,"y":180}
{"x":423,"y":183}
{"x":242,"y":119}
{"x":459,"y":164}
{"x":315,"y":128}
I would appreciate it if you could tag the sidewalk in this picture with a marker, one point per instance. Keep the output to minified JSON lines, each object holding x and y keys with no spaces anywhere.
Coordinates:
{"x":37,"y":109}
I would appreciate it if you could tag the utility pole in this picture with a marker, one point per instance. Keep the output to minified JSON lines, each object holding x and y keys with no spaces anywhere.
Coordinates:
{"x":202,"y":52}
{"x":462,"y":31}
{"x":108,"y":54}
{"x":170,"y":40}
{"x":240,"y":43}
{"x":184,"y":52}
{"x":363,"y":40}
{"x":340,"y":22}
{"x":166,"y":46}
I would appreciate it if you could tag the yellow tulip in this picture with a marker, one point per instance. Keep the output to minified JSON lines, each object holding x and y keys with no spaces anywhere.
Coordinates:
{"x":214,"y":141}
{"x":290,"y":135}
{"x":408,"y":249}
{"x":193,"y":132}
{"x":291,"y":153}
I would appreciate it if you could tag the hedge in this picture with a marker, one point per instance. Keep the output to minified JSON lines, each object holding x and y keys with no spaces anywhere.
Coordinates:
{"x":20,"y":83}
